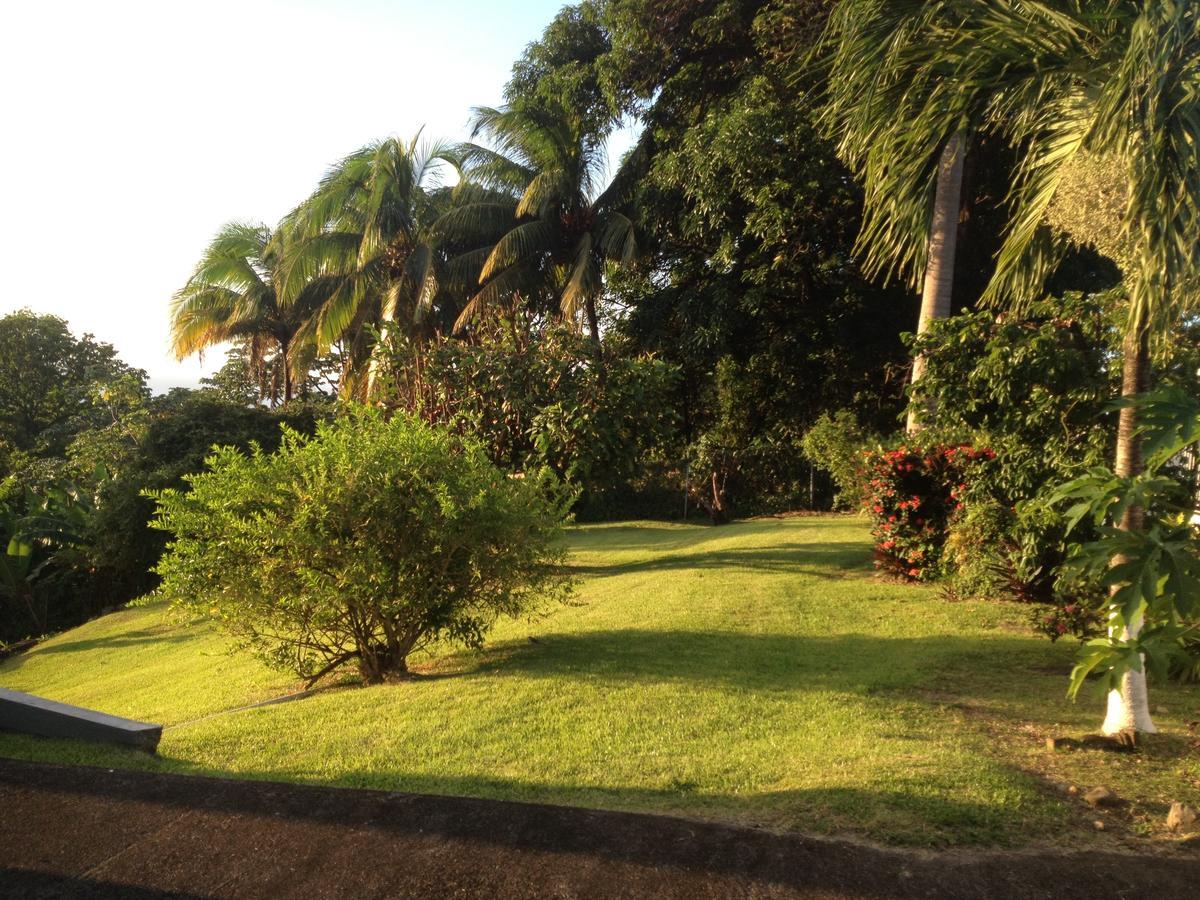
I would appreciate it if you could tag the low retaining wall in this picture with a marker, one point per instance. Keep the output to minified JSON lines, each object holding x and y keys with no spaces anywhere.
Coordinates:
{"x":29,"y":714}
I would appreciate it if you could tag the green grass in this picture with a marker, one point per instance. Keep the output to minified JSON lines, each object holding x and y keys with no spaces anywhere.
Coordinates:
{"x":756,"y":672}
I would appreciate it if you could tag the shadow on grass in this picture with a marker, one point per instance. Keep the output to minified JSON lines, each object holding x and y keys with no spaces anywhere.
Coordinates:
{"x":830,"y":560}
{"x":693,"y":538}
{"x":109,"y":642}
{"x":859,"y":663}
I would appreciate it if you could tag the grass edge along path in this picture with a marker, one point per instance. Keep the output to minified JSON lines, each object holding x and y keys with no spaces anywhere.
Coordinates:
{"x":756,"y":673}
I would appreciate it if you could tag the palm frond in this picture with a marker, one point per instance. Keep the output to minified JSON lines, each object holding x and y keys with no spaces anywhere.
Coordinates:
{"x":583,"y":280}
{"x":522,"y":242}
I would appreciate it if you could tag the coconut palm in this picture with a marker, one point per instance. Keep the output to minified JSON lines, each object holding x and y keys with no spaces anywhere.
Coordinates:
{"x":1063,"y":81}
{"x":358,"y":248}
{"x":232,"y":295}
{"x":543,"y":219}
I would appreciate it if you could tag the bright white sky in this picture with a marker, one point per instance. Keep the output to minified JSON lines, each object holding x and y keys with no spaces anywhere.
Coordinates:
{"x":132,"y":130}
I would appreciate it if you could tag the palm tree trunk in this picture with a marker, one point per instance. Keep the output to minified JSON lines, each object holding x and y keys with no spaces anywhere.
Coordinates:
{"x":943,"y":243}
{"x":385,"y":326}
{"x":1129,"y":706}
{"x":593,"y":324}
{"x":284,"y":346}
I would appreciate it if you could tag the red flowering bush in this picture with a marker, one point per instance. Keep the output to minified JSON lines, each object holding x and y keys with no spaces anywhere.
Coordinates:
{"x":1076,"y":619}
{"x":913,"y":494}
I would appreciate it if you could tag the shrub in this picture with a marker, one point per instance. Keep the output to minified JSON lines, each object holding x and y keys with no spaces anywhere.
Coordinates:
{"x":367,"y":542}
{"x":536,"y":395}
{"x":836,"y":443}
{"x":150,"y":449}
{"x":1076,"y":619}
{"x":913,"y":494}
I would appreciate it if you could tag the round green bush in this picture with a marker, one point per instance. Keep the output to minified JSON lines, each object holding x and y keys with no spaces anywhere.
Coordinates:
{"x":365,"y":543}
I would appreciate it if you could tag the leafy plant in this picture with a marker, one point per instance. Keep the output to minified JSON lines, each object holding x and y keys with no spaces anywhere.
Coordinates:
{"x":533,"y":396}
{"x":41,"y":542}
{"x":367,"y":543}
{"x":835,"y":443}
{"x":1151,"y":566}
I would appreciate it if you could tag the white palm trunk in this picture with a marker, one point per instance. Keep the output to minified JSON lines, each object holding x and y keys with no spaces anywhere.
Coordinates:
{"x":938,"y":288}
{"x":1129,"y":706}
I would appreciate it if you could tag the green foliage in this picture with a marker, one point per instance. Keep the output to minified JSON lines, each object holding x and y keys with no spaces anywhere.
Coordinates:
{"x":1032,"y":383}
{"x":1146,"y":553}
{"x":42,"y":536}
{"x":235,"y":294}
{"x":358,"y":251}
{"x":1034,"y":386}
{"x":836,"y":443}
{"x":1031,"y":386}
{"x":46,"y":376}
{"x":149,"y":448}
{"x":234,"y":382}
{"x":566,"y":67}
{"x":534,"y":396}
{"x":738,"y":463}
{"x":242,"y":382}
{"x":1064,"y":80}
{"x":536,"y":194}
{"x":755,"y":294}
{"x":367,"y":542}
{"x":913,"y":494}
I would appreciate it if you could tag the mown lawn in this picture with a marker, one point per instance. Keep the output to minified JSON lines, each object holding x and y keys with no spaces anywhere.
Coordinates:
{"x":757,"y":672}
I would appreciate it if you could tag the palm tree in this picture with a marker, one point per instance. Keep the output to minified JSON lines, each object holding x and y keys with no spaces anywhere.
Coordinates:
{"x":358,"y":248}
{"x":233,"y":294}
{"x":543,"y":219}
{"x":1063,"y":81}
{"x":876,"y":62}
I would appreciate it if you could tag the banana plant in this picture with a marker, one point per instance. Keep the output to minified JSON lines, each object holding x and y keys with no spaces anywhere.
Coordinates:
{"x":50,"y":530}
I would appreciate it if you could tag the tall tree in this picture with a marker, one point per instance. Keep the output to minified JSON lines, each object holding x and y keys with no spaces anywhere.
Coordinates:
{"x":234,"y":294}
{"x":46,"y":376}
{"x":567,"y":68}
{"x":878,"y":67}
{"x":359,"y":249}
{"x":1061,"y":80}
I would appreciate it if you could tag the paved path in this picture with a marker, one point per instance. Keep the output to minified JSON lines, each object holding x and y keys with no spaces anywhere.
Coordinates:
{"x":80,"y":832}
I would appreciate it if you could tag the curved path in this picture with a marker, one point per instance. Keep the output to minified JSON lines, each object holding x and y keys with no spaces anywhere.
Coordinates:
{"x":70,"y":831}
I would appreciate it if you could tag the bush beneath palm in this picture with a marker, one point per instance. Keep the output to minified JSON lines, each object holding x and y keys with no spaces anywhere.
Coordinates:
{"x":367,"y":543}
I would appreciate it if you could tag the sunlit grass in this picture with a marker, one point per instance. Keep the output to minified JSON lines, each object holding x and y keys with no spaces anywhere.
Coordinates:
{"x":756,"y":672}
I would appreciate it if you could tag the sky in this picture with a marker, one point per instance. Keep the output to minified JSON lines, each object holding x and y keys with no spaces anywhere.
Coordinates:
{"x":133,"y":130}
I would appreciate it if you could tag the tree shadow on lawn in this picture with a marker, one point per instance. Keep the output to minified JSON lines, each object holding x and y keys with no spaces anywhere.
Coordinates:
{"x":108,"y":642}
{"x":829,"y":560}
{"x":693,"y":538}
{"x":124,"y":639}
{"x":860,"y":663}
